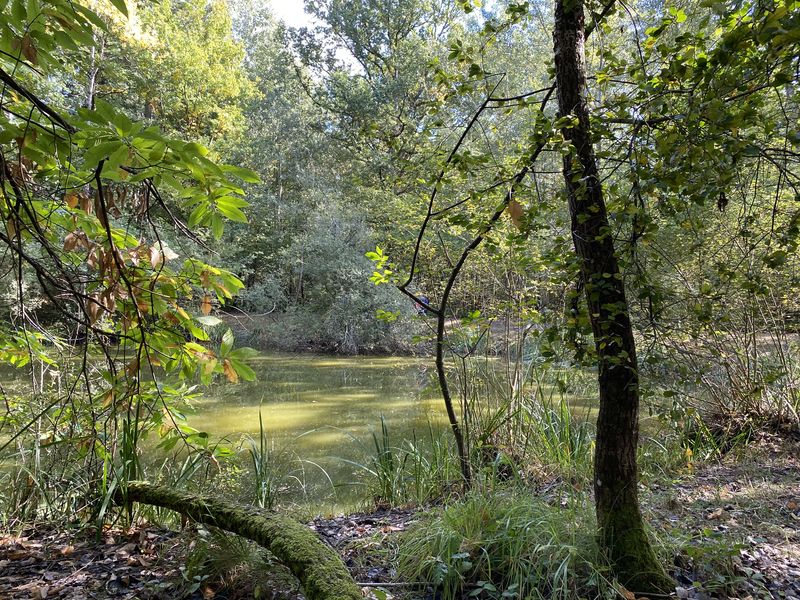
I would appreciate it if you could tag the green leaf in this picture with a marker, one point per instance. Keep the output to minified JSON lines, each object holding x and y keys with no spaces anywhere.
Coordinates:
{"x":99,"y":152}
{"x":89,"y":15}
{"x":209,"y":320}
{"x":227,"y":343}
{"x":245,"y":175}
{"x":199,"y":334}
{"x":232,"y":202}
{"x":243,"y":370}
{"x":198,"y":215}
{"x":232,"y":213}
{"x":121,"y":6}
{"x":217,"y":226}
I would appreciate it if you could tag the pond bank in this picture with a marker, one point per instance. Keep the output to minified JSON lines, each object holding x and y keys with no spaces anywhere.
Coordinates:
{"x":734,"y":528}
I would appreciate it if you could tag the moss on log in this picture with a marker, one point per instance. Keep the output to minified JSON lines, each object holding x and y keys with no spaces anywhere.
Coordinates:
{"x":320,"y":570}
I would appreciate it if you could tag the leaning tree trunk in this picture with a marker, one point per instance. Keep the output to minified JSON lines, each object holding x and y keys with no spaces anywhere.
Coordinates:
{"x":621,"y":528}
{"x":319,"y":569}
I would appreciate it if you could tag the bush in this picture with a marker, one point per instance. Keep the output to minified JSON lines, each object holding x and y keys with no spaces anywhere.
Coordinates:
{"x":263,"y":297}
{"x":321,"y":297}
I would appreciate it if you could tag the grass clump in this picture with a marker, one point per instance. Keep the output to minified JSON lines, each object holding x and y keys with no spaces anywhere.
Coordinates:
{"x":228,"y":566}
{"x":415,"y":471}
{"x":508,"y":545}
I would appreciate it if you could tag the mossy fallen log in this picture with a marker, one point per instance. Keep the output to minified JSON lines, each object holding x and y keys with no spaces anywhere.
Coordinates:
{"x":320,"y":570}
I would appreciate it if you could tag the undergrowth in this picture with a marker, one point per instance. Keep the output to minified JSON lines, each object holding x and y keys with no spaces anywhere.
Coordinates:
{"x":508,"y":544}
{"x":223,"y":565}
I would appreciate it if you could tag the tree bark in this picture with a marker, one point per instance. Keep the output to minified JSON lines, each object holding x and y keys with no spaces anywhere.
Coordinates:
{"x":319,"y":569}
{"x":621,"y":528}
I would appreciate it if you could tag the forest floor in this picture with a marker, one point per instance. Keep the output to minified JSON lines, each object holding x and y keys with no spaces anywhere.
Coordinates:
{"x":732,"y":527}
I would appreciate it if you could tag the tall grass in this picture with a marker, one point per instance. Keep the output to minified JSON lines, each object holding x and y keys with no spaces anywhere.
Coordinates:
{"x":413,"y":471}
{"x":740,"y":376}
{"x":506,"y":545}
{"x":558,"y":438}
{"x":526,"y":415}
{"x":266,"y":476}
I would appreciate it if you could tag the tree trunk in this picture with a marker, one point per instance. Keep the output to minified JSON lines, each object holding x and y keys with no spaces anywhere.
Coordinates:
{"x":621,"y":528}
{"x":319,"y":569}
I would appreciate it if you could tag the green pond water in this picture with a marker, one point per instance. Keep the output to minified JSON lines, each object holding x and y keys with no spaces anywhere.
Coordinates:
{"x":319,"y":413}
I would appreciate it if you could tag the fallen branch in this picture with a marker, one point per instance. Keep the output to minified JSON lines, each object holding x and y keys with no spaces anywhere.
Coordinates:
{"x":320,"y":570}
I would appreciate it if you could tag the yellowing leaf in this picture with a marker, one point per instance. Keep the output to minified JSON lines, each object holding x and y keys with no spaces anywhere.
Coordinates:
{"x":209,"y":366}
{"x":108,"y":397}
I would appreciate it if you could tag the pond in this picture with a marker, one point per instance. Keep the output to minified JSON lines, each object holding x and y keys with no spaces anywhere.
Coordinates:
{"x":319,"y":413}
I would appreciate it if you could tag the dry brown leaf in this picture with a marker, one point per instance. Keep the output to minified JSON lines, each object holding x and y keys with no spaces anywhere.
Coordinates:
{"x":28,"y":49}
{"x":229,"y":371}
{"x":169,"y":253}
{"x":205,"y":305}
{"x":626,"y":593}
{"x":94,"y":310}
{"x":100,"y":211}
{"x":108,"y":398}
{"x":132,"y":367}
{"x":515,"y":211}
{"x":108,"y":300}
{"x":19,"y":173}
{"x":70,"y":242}
{"x":71,"y":200}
